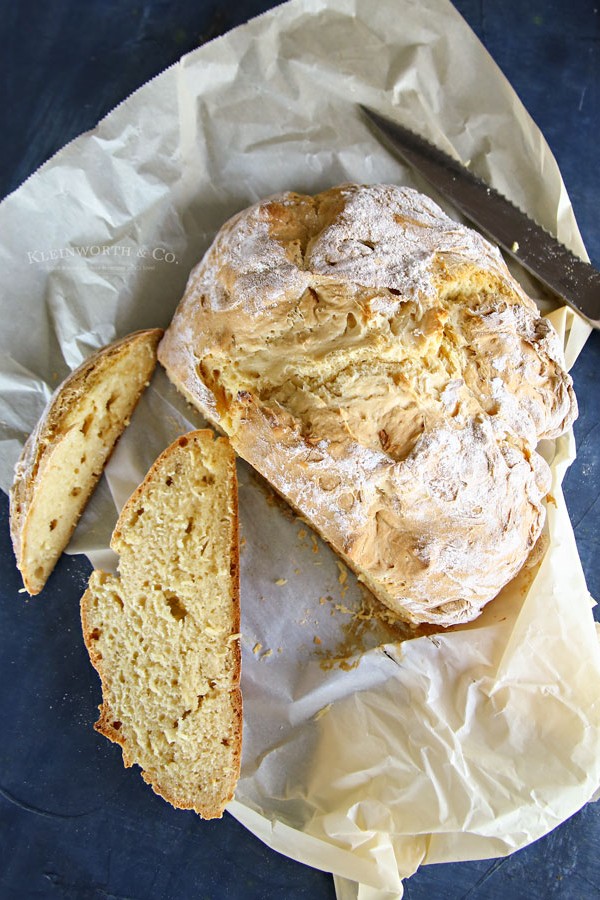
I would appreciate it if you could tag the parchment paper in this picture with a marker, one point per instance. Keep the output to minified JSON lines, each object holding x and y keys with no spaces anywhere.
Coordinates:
{"x":364,"y":755}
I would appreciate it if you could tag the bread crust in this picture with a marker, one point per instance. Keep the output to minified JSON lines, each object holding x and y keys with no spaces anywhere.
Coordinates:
{"x":107,"y":723}
{"x":379,"y":365}
{"x":46,"y":438}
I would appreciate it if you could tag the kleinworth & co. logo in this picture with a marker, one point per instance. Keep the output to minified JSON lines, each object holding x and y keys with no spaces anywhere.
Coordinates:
{"x":112,"y":256}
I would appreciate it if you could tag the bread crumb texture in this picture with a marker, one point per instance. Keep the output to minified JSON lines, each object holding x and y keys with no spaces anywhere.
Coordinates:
{"x":378,"y":364}
{"x":65,"y":455}
{"x":164,"y":634}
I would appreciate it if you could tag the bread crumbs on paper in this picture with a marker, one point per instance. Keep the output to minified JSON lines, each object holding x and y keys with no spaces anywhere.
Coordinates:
{"x":344,"y":609}
{"x":343,"y":576}
{"x":257,"y":650}
{"x":281,"y":581}
{"x":369,"y":624}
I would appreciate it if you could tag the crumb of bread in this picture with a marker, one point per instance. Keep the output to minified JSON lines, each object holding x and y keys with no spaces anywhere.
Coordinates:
{"x":164,"y":633}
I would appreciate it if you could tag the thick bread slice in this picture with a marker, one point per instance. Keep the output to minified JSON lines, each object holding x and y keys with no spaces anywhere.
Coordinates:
{"x":164,"y":635}
{"x":63,"y":458}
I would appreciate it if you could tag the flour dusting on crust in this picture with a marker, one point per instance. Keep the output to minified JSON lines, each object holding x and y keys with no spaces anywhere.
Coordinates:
{"x":379,"y":365}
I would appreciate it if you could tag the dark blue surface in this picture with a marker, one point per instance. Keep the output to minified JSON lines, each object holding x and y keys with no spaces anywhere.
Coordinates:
{"x":73,"y":822}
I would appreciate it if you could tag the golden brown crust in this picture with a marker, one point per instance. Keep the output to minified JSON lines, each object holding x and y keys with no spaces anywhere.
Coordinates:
{"x":379,"y":365}
{"x":45,"y":441}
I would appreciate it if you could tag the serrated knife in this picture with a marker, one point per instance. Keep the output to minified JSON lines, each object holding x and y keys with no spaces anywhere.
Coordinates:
{"x":570,"y":278}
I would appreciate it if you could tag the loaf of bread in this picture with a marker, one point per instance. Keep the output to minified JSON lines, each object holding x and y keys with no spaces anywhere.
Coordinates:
{"x":63,"y":458}
{"x":378,"y":364}
{"x":164,"y":635}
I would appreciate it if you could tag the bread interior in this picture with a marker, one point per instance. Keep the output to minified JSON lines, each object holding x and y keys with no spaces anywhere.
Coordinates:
{"x":163,"y":634}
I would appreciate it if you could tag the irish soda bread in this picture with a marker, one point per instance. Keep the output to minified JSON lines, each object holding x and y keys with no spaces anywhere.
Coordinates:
{"x":64,"y":456}
{"x":164,"y":635}
{"x":378,"y":364}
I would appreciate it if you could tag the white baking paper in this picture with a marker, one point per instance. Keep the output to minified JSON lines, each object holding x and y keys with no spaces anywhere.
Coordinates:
{"x":364,"y":754}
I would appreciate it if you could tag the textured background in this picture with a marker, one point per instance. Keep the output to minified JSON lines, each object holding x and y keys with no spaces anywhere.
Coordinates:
{"x":87,"y":828}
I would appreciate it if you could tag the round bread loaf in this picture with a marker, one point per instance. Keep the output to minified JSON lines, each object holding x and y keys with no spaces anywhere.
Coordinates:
{"x":378,"y":364}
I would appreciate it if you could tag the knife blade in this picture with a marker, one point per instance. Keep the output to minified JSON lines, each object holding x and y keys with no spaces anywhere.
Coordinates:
{"x":574,"y":281}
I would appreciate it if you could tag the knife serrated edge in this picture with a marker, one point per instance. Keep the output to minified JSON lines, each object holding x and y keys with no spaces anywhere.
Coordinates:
{"x":576,"y":282}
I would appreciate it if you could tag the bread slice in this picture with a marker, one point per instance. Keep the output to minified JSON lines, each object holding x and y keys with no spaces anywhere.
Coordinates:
{"x":63,"y":458}
{"x":164,"y":634}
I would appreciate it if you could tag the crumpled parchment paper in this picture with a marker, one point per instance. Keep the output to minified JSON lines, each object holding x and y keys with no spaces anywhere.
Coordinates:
{"x":364,"y":754}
